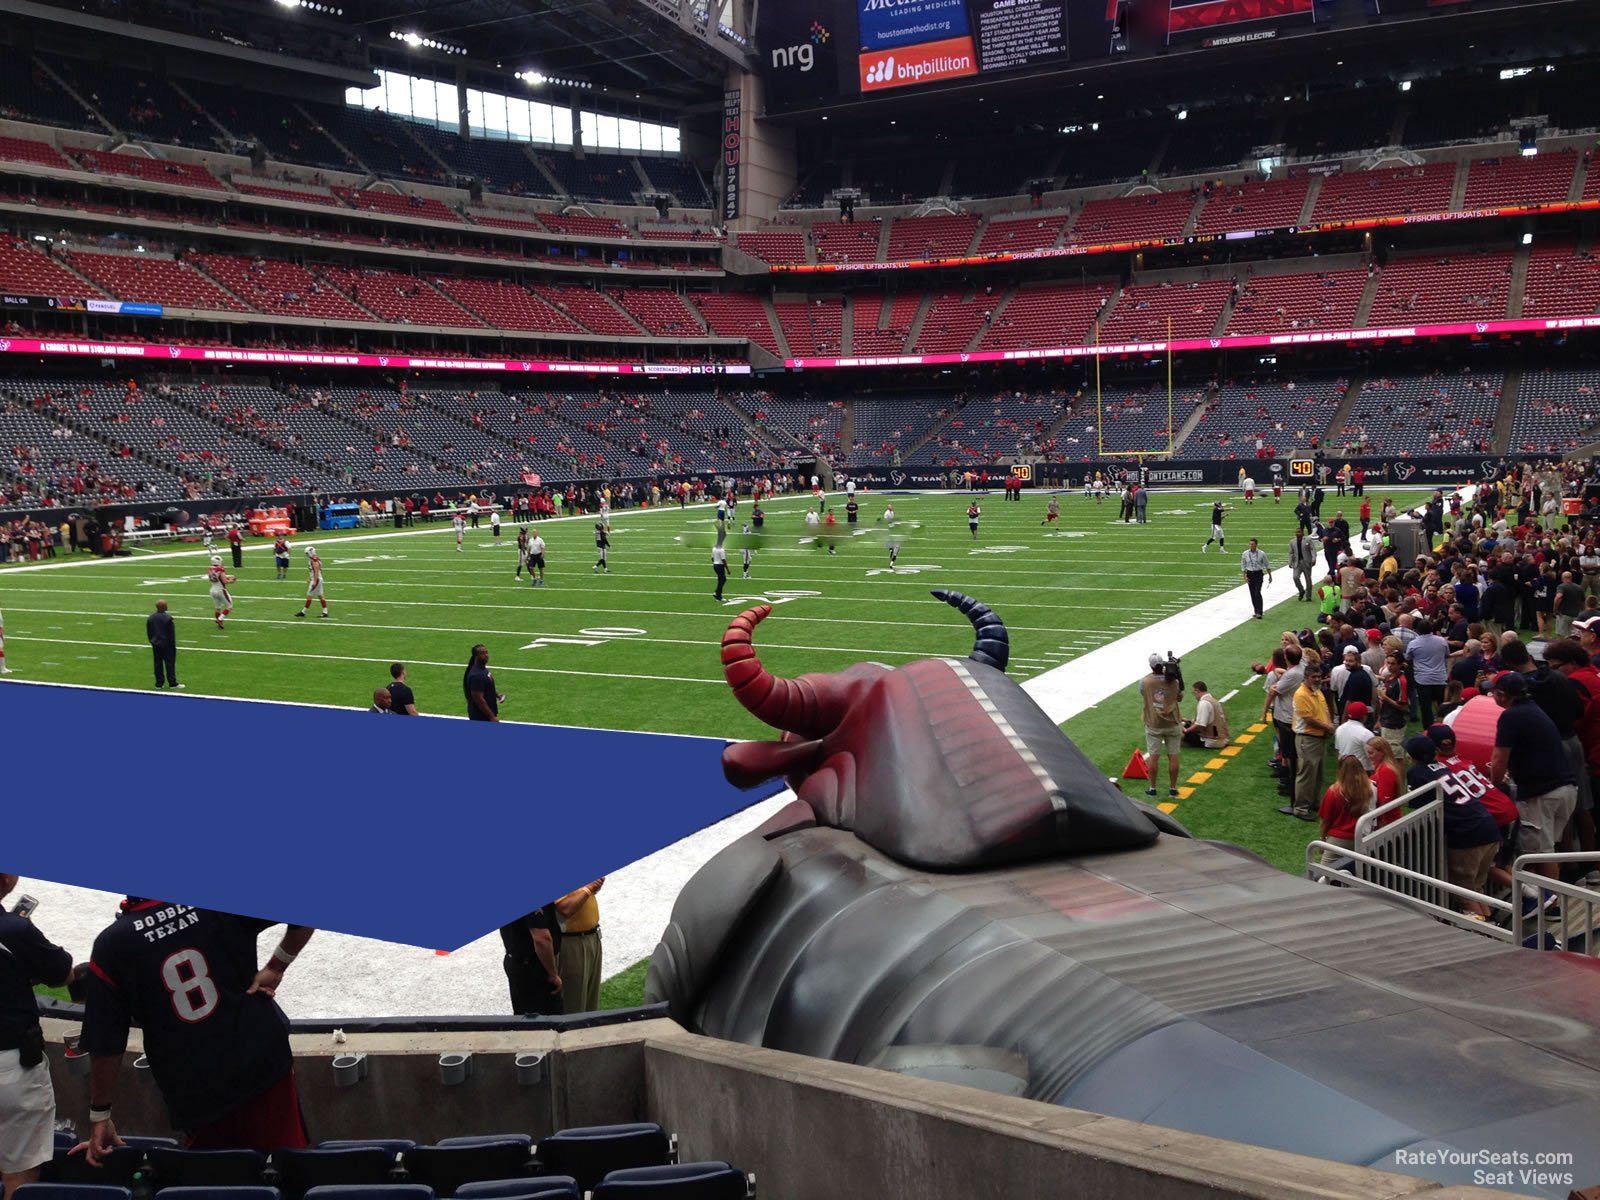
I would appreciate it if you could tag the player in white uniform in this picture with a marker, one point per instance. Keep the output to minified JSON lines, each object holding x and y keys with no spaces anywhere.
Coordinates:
{"x":494,"y":523}
{"x":313,"y":582}
{"x":1099,"y":488}
{"x":605,"y":511}
{"x":1249,"y":490}
{"x":894,"y":538}
{"x":221,"y":601}
{"x":748,"y":555}
{"x":460,"y":524}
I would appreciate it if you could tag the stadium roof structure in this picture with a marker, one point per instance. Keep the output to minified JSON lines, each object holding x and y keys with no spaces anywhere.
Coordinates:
{"x":673,"y":51}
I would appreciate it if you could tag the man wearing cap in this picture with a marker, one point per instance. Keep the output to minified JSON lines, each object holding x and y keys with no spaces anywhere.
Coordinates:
{"x":1253,"y":565}
{"x":1313,"y":725}
{"x":1471,"y":836}
{"x":1528,"y":748}
{"x":1587,"y":630}
{"x":1373,"y":656}
{"x":1351,"y":737}
{"x":1568,"y":658}
{"x":1163,"y":728}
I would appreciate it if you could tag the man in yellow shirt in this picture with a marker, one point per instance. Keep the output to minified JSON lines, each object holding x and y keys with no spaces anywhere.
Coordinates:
{"x":1313,"y":725}
{"x":579,"y":956}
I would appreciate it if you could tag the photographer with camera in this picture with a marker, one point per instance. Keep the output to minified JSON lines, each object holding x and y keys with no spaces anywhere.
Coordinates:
{"x":27,"y":1101}
{"x":1163,"y":727}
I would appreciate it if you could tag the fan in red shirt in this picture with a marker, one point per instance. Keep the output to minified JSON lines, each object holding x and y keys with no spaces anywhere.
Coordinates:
{"x":217,"y":1042}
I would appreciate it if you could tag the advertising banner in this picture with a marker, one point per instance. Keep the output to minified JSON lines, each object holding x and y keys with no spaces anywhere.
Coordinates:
{"x":732,"y":149}
{"x":889,"y":24}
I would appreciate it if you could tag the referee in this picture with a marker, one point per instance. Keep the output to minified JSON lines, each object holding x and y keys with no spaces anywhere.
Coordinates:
{"x":27,"y":1101}
{"x":1253,"y":565}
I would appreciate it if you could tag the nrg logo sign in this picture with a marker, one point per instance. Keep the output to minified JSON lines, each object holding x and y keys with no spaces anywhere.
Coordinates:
{"x":805,"y":54}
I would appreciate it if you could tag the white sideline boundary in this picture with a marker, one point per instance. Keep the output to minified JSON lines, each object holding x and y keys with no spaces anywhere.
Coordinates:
{"x":339,"y":975}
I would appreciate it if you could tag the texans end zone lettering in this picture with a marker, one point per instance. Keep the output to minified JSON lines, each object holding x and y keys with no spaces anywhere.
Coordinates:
{"x":1302,"y":468}
{"x":1022,"y":471}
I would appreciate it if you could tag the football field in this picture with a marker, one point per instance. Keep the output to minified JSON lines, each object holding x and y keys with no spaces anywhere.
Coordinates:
{"x":636,"y":648}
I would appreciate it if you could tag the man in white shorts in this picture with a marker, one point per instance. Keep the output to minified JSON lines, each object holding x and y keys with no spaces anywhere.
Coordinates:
{"x":313,"y":582}
{"x":27,"y":1101}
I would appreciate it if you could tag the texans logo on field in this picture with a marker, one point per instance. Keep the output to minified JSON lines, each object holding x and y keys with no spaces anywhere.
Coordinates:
{"x":1404,"y":471}
{"x":898,"y":478}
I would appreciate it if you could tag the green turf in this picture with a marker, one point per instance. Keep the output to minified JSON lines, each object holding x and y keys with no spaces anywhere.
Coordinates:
{"x":410,"y":596}
{"x":626,"y":988}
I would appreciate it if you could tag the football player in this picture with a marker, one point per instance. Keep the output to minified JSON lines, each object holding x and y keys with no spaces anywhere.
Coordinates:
{"x":1052,"y":511}
{"x":460,"y":524}
{"x":280,"y":556}
{"x":973,"y":513}
{"x":1218,"y":511}
{"x":522,"y":550}
{"x":313,"y":582}
{"x":747,"y":553}
{"x":219,"y":579}
{"x":602,"y":543}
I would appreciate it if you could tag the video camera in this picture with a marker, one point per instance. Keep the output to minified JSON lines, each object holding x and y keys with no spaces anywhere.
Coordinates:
{"x":1170,"y":668}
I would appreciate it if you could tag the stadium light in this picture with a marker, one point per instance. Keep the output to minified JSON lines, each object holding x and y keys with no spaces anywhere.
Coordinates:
{"x":1183,"y":114}
{"x":1405,"y":85}
{"x":1527,"y":239}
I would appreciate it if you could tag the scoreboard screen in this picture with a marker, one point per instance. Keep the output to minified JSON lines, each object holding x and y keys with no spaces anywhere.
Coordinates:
{"x":832,"y":49}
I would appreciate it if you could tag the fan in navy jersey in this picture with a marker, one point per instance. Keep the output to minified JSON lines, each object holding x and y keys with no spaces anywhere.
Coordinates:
{"x":217,"y":1042}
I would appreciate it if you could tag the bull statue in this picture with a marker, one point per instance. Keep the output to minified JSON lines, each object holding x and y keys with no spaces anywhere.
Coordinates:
{"x":957,"y":893}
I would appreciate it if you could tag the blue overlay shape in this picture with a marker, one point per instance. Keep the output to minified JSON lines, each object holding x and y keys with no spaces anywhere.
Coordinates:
{"x":421,"y":830}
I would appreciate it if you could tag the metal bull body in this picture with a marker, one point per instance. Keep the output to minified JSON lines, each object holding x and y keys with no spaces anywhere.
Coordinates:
{"x":957,"y":893}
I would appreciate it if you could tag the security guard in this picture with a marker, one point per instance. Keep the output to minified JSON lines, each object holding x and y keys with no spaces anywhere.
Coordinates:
{"x":27,"y":1101}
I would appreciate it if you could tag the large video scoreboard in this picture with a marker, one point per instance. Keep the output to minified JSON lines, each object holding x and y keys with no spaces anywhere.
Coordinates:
{"x":819,"y":50}
{"x":815,"y":52}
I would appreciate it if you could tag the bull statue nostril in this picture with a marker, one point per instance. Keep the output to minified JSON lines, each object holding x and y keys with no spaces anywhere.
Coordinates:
{"x":992,"y":646}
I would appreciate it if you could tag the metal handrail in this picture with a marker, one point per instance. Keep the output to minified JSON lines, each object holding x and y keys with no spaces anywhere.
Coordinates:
{"x":1318,"y":871}
{"x":1415,"y":841}
{"x":1569,"y":892}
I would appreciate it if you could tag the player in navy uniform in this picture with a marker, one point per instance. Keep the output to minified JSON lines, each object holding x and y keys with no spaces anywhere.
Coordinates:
{"x":280,"y":556}
{"x":851,"y":510}
{"x":602,"y":543}
{"x":217,"y":1042}
{"x":757,"y":517}
{"x":1218,"y":511}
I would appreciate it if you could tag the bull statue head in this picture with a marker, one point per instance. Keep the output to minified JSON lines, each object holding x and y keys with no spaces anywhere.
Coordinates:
{"x":942,"y":763}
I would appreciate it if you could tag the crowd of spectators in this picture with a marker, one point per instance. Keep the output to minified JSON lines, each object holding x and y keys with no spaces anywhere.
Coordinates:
{"x":1367,"y":688}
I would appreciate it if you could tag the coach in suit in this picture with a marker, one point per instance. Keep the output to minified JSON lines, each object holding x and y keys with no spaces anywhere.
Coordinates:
{"x":163,"y":639}
{"x":1302,"y":561}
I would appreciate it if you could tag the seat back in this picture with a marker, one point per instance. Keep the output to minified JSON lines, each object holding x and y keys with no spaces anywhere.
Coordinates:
{"x":541,"y":1187}
{"x":117,"y":1169}
{"x":392,"y":1145}
{"x":371,"y":1191}
{"x":205,"y":1168}
{"x":299,"y":1171}
{"x":445,"y":1168}
{"x":675,"y":1181}
{"x":589,"y":1152}
{"x":71,"y":1191}
{"x":257,"y":1192}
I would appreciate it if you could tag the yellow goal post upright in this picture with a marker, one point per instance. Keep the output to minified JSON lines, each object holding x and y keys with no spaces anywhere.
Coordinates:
{"x":1100,"y":411}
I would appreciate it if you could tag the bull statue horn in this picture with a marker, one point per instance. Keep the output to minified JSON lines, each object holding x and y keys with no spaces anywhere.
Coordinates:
{"x":992,"y":646}
{"x":810,"y":706}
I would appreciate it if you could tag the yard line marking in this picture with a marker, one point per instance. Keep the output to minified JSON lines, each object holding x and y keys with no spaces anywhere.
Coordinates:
{"x":1229,"y":696}
{"x":781,"y":614}
{"x":630,"y":638}
{"x":191,"y":649}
